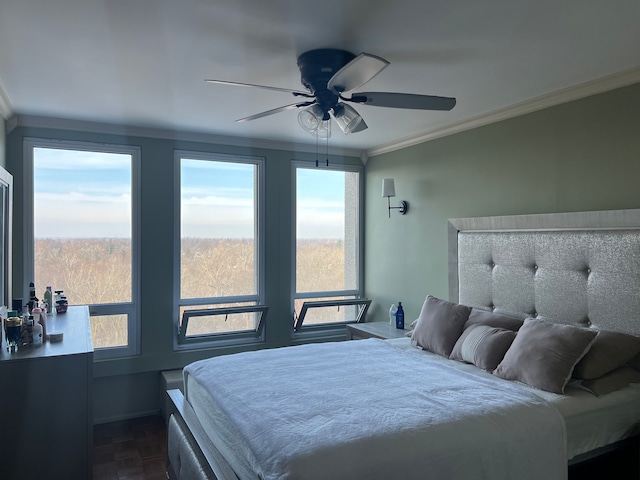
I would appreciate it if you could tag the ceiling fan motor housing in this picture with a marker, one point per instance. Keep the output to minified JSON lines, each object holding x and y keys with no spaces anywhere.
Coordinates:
{"x":316,"y":69}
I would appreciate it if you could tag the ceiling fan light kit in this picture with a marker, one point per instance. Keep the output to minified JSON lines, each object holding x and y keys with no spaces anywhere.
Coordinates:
{"x":346,"y":117}
{"x":310,"y":118}
{"x":324,"y":129}
{"x":328,"y":74}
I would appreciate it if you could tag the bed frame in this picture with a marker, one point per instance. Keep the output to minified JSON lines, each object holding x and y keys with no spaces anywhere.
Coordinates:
{"x":579,"y":268}
{"x":572,"y":268}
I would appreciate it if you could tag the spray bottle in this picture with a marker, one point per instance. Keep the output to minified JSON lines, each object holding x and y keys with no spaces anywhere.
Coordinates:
{"x":392,"y":314}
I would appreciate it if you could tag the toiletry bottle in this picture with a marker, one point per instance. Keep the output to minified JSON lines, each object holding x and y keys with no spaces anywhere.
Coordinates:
{"x":392,"y":314}
{"x":38,"y":336}
{"x":400,"y":317}
{"x":33,"y":300}
{"x":48,"y":299}
{"x":41,"y":318}
{"x":26,"y":338}
{"x":60,"y":301}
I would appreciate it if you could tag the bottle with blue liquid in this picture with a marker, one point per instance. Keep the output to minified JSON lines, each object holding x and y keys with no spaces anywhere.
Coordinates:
{"x":400,"y":317}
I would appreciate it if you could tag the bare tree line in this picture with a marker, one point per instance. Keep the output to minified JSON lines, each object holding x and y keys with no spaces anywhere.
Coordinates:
{"x":98,"y":271}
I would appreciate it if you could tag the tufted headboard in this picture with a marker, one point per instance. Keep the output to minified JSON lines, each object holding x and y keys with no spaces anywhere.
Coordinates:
{"x":579,"y":268}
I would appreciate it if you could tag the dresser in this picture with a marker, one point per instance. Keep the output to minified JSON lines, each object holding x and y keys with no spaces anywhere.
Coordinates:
{"x":46,"y":404}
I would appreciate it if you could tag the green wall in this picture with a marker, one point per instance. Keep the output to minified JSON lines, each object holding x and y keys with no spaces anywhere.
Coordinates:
{"x":130,"y":386}
{"x":579,"y":156}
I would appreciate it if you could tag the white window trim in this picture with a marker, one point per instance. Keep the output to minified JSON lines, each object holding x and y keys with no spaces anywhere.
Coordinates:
{"x":358,"y":292}
{"x":220,"y":339}
{"x":131,"y":309}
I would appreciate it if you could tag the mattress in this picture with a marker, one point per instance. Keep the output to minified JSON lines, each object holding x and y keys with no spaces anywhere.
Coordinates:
{"x":591,"y":422}
{"x":497,"y":429}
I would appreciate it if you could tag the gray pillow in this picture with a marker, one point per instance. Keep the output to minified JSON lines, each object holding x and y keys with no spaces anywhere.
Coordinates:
{"x":439,"y":325}
{"x":483,"y":317}
{"x":612,"y":381}
{"x":543,"y":355}
{"x":482,"y":345}
{"x":610,"y":351}
{"x":412,"y":325}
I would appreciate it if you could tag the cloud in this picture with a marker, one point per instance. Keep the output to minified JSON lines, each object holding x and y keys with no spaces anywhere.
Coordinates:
{"x":88,"y":194}
{"x":317,"y":204}
{"x":58,"y":159}
{"x":71,"y":201}
{"x":215,"y":165}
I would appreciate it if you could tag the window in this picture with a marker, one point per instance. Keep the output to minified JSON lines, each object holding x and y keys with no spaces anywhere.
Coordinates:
{"x":219,"y":273}
{"x":328,"y":236}
{"x":84,"y":233}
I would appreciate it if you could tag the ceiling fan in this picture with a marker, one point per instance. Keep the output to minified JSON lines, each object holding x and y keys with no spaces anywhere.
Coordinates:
{"x":330,"y":76}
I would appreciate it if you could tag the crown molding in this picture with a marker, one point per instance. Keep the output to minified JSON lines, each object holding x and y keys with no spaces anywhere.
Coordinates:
{"x":576,"y":92}
{"x":35,"y":121}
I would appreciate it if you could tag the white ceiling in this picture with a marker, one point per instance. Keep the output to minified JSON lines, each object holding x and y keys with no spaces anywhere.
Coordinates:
{"x":143,"y":62}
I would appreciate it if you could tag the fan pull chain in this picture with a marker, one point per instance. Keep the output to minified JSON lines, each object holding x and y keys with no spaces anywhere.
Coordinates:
{"x":327,"y":150}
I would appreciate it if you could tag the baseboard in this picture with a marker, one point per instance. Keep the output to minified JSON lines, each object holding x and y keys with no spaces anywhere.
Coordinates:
{"x":129,"y":416}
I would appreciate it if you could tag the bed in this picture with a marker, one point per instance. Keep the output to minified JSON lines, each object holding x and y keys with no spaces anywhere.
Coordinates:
{"x":465,"y":398}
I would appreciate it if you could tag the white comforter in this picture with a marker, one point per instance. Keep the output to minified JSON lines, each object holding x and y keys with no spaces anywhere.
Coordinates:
{"x":365,"y":409}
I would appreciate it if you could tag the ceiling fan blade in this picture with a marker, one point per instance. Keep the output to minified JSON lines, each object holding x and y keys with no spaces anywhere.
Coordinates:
{"x":403,"y":100}
{"x":356,"y":73}
{"x":274,"y":111}
{"x":277,"y":89}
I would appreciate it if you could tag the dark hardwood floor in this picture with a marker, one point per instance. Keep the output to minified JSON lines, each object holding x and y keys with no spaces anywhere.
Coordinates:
{"x":137,"y":449}
{"x":130,"y":450}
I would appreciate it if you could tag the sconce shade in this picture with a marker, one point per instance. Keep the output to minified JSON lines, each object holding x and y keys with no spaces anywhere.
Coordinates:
{"x":346,"y":117}
{"x":388,"y":187}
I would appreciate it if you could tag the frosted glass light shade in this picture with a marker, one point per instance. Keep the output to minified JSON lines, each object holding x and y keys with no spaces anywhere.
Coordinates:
{"x":388,"y":187}
{"x":310,"y":118}
{"x":324,"y":129}
{"x":346,"y":117}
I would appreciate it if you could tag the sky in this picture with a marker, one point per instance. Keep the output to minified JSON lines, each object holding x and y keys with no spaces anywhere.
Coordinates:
{"x":88,"y":195}
{"x":81,"y":194}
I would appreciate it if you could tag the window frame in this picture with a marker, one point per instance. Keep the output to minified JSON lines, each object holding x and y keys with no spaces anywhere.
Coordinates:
{"x":180,"y":340}
{"x":298,"y":329}
{"x":363,"y":303}
{"x":230,"y":337}
{"x":130,"y":309}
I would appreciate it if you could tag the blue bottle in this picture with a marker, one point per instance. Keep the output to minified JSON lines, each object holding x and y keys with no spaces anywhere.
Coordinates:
{"x":400,"y":317}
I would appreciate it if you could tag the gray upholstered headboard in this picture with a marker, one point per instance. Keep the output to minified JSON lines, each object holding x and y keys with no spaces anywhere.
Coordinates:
{"x":578,"y":268}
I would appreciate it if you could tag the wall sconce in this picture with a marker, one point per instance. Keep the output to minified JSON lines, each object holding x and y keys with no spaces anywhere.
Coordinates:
{"x":389,"y":190}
